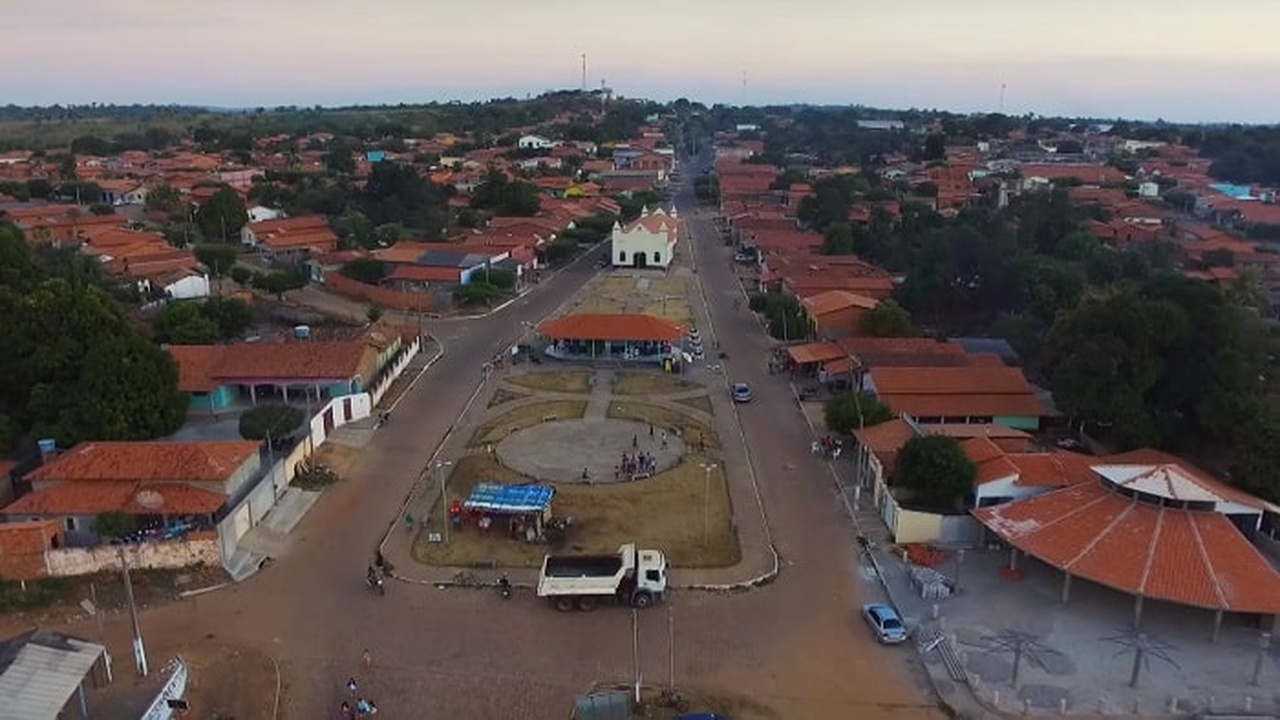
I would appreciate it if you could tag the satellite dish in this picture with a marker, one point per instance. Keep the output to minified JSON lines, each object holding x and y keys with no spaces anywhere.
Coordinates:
{"x":149,"y":499}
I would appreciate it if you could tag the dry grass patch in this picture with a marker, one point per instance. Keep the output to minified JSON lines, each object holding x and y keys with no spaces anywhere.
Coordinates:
{"x":525,"y":416}
{"x":560,"y":381}
{"x":694,"y":433}
{"x":632,"y":382}
{"x":503,"y":395}
{"x":699,"y":402}
{"x":667,"y":512}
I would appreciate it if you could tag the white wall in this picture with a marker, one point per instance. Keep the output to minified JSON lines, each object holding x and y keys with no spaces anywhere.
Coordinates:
{"x":397,"y":370}
{"x":189,"y":288}
{"x":66,"y":562}
{"x":1007,"y":488}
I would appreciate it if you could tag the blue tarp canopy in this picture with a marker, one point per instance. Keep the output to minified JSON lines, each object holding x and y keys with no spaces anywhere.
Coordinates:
{"x":510,"y":499}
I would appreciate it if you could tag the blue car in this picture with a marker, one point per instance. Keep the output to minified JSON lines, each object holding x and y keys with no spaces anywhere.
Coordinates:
{"x":741,"y":392}
{"x":885,"y":623}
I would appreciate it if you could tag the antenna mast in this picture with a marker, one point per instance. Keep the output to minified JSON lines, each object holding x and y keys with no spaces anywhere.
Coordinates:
{"x":744,"y":88}
{"x":1002,"y":86}
{"x":584,"y":72}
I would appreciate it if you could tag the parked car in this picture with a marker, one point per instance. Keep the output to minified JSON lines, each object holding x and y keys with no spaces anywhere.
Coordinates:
{"x":885,"y":623}
{"x":741,"y":392}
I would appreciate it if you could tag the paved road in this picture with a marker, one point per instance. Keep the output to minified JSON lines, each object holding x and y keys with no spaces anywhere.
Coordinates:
{"x":796,"y":645}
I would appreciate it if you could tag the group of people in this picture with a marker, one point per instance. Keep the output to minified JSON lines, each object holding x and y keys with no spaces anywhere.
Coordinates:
{"x":827,"y":447}
{"x":641,"y":463}
{"x":358,"y":706}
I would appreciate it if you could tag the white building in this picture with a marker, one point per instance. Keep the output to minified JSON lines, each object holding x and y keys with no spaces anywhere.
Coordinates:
{"x":1148,"y":190}
{"x":649,"y":241}
{"x":533,"y":142}
{"x":260,"y":213}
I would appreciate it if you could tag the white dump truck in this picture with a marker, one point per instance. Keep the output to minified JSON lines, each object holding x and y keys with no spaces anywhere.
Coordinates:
{"x":637,"y":577}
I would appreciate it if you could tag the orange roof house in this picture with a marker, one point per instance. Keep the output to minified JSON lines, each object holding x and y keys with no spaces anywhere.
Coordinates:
{"x":169,"y":479}
{"x":297,"y":235}
{"x":1158,"y":531}
{"x":214,"y":375}
{"x":837,"y":313}
{"x":612,"y":327}
{"x":980,"y":394}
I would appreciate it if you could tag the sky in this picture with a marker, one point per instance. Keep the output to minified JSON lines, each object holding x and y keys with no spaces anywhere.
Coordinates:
{"x":1180,"y":60}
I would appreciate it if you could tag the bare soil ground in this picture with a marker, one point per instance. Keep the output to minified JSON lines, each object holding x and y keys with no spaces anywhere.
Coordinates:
{"x":526,"y":416}
{"x":559,"y":381}
{"x":54,"y":601}
{"x":631,"y":382}
{"x":649,"y":293}
{"x":672,"y":510}
{"x":342,"y":459}
{"x":693,"y":433}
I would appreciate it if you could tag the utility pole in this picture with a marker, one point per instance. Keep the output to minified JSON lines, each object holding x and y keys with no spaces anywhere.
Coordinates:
{"x":635,"y":650}
{"x":584,"y":73}
{"x":139,"y":652}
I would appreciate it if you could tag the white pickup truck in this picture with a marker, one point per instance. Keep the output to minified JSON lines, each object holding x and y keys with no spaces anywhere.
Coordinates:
{"x":638,"y":577}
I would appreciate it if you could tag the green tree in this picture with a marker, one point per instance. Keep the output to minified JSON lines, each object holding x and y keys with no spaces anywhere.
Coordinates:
{"x":165,"y":199}
{"x":786,"y":318}
{"x":373,"y":314}
{"x":185,"y":323}
{"x":475,"y":292}
{"x":846,"y":412}
{"x":1255,"y":463}
{"x":936,"y":470}
{"x":837,"y":239}
{"x":369,"y":271}
{"x":232,"y":316}
{"x":218,"y":258}
{"x":270,"y":422}
{"x":222,"y":216}
{"x":114,"y":524}
{"x":500,"y":278}
{"x":888,"y":319}
{"x":279,"y":282}
{"x":128,"y":391}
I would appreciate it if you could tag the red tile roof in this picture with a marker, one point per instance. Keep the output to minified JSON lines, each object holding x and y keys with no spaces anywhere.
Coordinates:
{"x":424,"y":273}
{"x":150,"y":461}
{"x":628,"y":327}
{"x":1164,"y":553}
{"x":815,"y":353}
{"x":831,"y":301}
{"x":91,"y":498}
{"x":974,"y":391}
{"x":201,"y":368}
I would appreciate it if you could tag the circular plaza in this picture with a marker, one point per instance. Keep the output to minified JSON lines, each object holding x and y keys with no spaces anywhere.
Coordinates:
{"x":592,"y":450}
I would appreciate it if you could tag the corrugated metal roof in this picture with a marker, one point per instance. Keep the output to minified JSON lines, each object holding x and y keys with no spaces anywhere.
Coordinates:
{"x":44,"y":674}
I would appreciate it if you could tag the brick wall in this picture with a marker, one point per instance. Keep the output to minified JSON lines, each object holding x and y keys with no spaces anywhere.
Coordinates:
{"x":386,"y":297}
{"x":22,"y":548}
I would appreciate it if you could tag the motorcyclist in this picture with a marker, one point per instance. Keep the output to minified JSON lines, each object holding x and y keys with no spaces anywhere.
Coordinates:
{"x":371,"y":576}
{"x":504,"y":584}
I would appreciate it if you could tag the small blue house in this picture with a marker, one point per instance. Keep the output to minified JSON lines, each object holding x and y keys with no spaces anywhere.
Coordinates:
{"x":375,"y":156}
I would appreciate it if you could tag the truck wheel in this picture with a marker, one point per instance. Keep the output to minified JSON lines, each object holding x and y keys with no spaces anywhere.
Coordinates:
{"x":586,"y":604}
{"x":564,"y":604}
{"x":641,"y":600}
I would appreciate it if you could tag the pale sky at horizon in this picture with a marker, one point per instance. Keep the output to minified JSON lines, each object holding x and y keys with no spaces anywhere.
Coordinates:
{"x":1182,"y":60}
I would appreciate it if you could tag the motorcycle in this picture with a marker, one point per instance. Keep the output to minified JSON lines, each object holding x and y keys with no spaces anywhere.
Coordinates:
{"x":504,"y":587}
{"x":374,"y":582}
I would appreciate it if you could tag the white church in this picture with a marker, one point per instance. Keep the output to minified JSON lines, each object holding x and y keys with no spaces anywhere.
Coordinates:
{"x":649,"y":241}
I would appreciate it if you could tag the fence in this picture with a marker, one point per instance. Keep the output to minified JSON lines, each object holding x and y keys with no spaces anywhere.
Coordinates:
{"x":385,"y":297}
{"x":199,"y":548}
{"x":384,"y":381}
{"x":173,"y":689}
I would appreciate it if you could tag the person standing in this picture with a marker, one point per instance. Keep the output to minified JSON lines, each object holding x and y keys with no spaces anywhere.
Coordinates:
{"x":366,"y":658}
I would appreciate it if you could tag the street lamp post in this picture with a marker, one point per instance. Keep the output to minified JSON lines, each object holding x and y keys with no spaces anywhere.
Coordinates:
{"x":440,"y":465}
{"x":706,"y":502}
